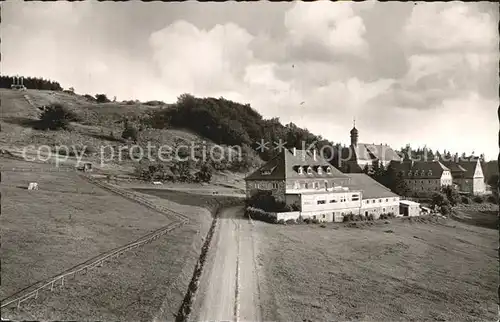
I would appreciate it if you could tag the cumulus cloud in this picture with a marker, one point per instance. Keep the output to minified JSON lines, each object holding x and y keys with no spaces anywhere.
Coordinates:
{"x":450,"y":27}
{"x":201,"y":60}
{"x":335,"y":29}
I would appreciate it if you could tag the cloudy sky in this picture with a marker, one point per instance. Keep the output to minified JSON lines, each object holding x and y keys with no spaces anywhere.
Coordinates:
{"x":419,"y":74}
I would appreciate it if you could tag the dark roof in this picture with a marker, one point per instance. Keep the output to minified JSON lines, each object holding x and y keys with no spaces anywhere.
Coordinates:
{"x":286,"y":166}
{"x":469,"y":166}
{"x":370,"y":188}
{"x":363,"y":151}
{"x":455,"y":168}
{"x":425,"y":169}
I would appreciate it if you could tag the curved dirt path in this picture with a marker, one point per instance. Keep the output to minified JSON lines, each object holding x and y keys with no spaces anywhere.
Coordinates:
{"x":228,"y":288}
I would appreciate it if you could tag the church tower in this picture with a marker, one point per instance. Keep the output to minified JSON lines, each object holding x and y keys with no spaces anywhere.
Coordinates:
{"x":354,"y":135}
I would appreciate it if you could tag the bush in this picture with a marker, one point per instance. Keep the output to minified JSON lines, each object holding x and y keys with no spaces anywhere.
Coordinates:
{"x":445,"y":210}
{"x":290,"y":221}
{"x":55,"y":117}
{"x":478,"y":199}
{"x":465,"y":200}
{"x":492,"y":199}
{"x":281,"y":222}
{"x":259,"y":214}
{"x":130,"y":133}
{"x":371,"y":217}
{"x":102,"y":98}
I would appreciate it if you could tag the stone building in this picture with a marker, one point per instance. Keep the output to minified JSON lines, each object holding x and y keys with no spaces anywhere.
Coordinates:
{"x":422,"y":177}
{"x":355,"y":157}
{"x":467,"y":176}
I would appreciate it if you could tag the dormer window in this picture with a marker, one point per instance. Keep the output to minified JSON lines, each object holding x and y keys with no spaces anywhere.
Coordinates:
{"x":329,"y":170}
{"x":409,"y":173}
{"x":309,"y":170}
{"x":320,"y":171}
{"x":402,"y":173}
{"x":423,"y":173}
{"x":301,"y":171}
{"x":430,"y":172}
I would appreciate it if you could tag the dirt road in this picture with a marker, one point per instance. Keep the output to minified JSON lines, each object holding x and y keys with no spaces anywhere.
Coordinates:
{"x":228,"y":288}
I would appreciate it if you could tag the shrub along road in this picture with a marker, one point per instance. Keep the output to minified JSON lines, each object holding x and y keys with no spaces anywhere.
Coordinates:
{"x":229,"y":283}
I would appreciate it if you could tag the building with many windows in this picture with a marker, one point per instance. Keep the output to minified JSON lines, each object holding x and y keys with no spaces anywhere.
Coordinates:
{"x":429,"y":176}
{"x":318,"y":189}
{"x":423,"y":177}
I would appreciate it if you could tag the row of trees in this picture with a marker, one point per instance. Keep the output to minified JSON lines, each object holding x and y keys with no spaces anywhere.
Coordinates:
{"x":429,"y":155}
{"x":31,"y":83}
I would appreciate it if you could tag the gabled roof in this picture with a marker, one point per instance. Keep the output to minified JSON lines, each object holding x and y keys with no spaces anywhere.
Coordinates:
{"x":431,"y":169}
{"x":370,"y":188}
{"x":286,"y":166}
{"x":469,"y":166}
{"x":370,"y":152}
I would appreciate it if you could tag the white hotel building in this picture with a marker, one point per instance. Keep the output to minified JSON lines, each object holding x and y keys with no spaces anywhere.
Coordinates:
{"x":318,"y":189}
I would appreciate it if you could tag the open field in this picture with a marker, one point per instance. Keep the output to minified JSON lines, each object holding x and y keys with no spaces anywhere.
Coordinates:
{"x":41,"y":240}
{"x":386,"y":272}
{"x":66,"y":222}
{"x":142,"y":285}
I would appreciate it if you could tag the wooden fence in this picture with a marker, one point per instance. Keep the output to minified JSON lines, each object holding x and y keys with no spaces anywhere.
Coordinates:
{"x":33,"y":291}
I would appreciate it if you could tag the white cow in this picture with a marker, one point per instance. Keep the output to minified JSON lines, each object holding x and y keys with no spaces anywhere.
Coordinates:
{"x":157,"y":182}
{"x":33,"y":186}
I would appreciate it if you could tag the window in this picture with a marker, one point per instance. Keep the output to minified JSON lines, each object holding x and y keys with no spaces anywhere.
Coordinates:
{"x":429,"y":173}
{"x":314,"y":217}
{"x":296,"y":185}
{"x":355,"y":197}
{"x":301,"y":171}
{"x":367,"y":201}
{"x":386,"y":200}
{"x":320,"y":171}
{"x":275,"y":186}
{"x":380,"y":200}
{"x":416,"y":173}
{"x":383,"y":209}
{"x":324,"y":216}
{"x":309,"y":170}
{"x":409,"y":173}
{"x":329,"y":170}
{"x":333,"y":201}
{"x":429,"y":181}
{"x":422,"y":173}
{"x":321,"y":202}
{"x":402,"y":173}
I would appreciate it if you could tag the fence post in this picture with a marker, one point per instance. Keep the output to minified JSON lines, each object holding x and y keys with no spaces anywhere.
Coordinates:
{"x":36,"y":294}
{"x":52,"y":286}
{"x":62,"y":281}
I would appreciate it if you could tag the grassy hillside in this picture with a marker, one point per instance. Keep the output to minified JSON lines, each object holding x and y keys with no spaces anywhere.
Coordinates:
{"x":99,"y":126}
{"x":436,"y":271}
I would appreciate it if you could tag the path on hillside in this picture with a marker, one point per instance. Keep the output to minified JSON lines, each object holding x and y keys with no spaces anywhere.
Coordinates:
{"x":228,"y":288}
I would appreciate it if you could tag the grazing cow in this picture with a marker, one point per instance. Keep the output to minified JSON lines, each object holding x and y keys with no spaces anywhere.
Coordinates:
{"x":33,"y":186}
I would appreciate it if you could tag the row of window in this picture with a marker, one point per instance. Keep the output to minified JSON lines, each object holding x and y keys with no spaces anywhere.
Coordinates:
{"x":380,"y":200}
{"x":416,"y":173}
{"x":312,"y":185}
{"x":266,"y":185}
{"x":342,"y":199}
{"x":310,"y":170}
